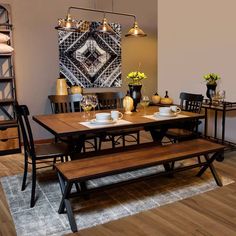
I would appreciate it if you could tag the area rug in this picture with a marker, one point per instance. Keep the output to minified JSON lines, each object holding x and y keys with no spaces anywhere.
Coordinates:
{"x":103,"y":206}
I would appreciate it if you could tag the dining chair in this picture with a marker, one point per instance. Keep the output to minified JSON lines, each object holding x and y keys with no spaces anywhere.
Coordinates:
{"x":65,"y":103}
{"x":71,"y":103}
{"x":114,"y":100}
{"x":192,"y":103}
{"x":38,"y":154}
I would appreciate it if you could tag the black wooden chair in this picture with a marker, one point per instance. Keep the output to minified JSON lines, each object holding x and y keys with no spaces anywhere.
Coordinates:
{"x":114,"y":100}
{"x":37,"y":153}
{"x":71,"y":103}
{"x":187,"y":130}
{"x":65,"y":103}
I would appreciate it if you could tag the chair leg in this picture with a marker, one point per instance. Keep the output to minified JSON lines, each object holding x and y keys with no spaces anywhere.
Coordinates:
{"x":54,"y":162}
{"x":95,"y":144}
{"x":84,"y":148}
{"x":32,"y":202}
{"x":138,"y":137}
{"x":100,"y":143}
{"x":199,"y":160}
{"x":25,"y":172}
{"x":113,"y":141}
{"x":123,"y":140}
{"x":66,"y":159}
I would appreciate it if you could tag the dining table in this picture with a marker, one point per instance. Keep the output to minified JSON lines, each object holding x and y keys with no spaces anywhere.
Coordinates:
{"x":76,"y":125}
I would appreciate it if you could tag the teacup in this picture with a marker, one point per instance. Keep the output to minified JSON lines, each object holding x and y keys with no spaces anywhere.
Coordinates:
{"x":165,"y":110}
{"x":103,"y":116}
{"x":116,"y":115}
{"x":175,"y":109}
{"x":169,"y":110}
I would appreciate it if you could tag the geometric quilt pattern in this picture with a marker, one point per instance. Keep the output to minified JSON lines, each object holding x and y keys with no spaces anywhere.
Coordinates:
{"x":91,"y":59}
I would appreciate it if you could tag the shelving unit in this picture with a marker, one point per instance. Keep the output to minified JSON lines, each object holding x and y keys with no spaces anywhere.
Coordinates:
{"x":9,"y":130}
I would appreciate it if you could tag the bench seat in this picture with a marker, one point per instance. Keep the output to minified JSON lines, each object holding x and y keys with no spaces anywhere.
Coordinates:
{"x":79,"y":171}
{"x":93,"y":167}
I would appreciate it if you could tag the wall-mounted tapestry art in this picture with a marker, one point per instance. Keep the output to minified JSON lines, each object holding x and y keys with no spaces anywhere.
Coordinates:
{"x":91,"y":59}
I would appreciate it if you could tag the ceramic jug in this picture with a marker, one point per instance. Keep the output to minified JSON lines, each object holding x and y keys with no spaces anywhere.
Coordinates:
{"x":61,"y":87}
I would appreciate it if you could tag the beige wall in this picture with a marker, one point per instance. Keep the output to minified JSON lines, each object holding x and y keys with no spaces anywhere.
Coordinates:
{"x":195,"y":38}
{"x":36,"y":47}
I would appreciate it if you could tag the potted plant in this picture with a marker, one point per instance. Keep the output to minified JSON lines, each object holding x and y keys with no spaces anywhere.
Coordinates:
{"x":211,"y":83}
{"x":135,"y":86}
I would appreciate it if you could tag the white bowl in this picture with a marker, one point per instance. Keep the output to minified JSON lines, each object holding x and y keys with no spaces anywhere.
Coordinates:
{"x":103,"y":116}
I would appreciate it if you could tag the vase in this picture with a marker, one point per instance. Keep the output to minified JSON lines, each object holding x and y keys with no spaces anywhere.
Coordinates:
{"x":128,"y":103}
{"x":135,"y":93}
{"x":61,"y":87}
{"x":211,"y":89}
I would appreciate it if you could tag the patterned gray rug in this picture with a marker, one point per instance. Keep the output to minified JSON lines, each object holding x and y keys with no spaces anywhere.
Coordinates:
{"x":102,"y":207}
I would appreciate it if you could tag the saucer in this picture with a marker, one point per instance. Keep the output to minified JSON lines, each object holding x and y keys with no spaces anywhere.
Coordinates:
{"x":102,"y":122}
{"x":165,"y":115}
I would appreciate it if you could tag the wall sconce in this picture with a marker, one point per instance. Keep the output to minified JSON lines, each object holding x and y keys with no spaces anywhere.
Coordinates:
{"x":72,"y":25}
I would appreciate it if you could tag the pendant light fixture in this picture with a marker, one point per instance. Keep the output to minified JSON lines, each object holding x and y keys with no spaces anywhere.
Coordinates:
{"x":72,"y":25}
{"x":135,"y":31}
{"x":105,"y":27}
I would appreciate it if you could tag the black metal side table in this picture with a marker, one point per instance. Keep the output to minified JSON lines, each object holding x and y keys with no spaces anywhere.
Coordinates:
{"x":223,"y":107}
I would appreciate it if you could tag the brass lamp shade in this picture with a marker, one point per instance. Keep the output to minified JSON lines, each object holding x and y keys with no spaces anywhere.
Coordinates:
{"x":135,"y":31}
{"x":67,"y":24}
{"x":105,"y":27}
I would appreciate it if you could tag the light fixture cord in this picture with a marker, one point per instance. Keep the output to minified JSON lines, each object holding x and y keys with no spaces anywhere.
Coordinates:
{"x":95,"y":7}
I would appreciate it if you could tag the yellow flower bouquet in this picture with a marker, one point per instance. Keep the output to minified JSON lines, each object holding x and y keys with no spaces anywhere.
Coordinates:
{"x":136,"y":77}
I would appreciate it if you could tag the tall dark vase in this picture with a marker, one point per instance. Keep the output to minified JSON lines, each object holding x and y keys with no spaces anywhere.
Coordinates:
{"x":135,"y":93}
{"x":211,"y":89}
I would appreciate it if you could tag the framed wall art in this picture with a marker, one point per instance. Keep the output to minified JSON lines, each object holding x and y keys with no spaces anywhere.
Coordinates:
{"x":91,"y":59}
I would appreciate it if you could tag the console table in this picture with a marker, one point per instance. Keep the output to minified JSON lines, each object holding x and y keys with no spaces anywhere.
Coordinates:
{"x":223,"y":107}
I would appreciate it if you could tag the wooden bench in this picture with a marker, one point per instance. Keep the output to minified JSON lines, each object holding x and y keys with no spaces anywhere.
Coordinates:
{"x":78,"y":171}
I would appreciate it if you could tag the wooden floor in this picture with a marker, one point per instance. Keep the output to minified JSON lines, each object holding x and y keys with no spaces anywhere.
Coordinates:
{"x":212,"y":213}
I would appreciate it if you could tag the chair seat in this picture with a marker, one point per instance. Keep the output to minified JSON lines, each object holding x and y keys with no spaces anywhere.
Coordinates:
{"x":44,"y":151}
{"x":178,"y":132}
{"x":181,"y":134}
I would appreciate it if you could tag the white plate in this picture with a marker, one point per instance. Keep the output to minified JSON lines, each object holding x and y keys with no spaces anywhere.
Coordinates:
{"x":165,"y":115}
{"x":102,"y":122}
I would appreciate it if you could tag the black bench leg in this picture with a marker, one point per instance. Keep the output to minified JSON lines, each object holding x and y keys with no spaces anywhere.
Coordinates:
{"x":65,"y":202}
{"x":212,"y":168}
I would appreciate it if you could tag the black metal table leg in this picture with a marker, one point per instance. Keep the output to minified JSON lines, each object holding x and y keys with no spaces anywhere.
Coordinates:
{"x":223,"y":124}
{"x":157,"y":136}
{"x":206,"y":122}
{"x":215,"y":133}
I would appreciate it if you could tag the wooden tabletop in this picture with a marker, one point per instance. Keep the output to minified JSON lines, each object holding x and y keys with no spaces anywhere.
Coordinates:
{"x":67,"y":124}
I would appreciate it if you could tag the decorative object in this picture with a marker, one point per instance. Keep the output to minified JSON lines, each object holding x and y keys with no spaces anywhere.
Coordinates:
{"x":103,"y":207}
{"x":75,"y":89}
{"x":135,"y":93}
{"x":136,"y":77}
{"x":89,"y":59}
{"x":156,"y":98}
{"x":144,"y":102}
{"x":72,"y":25}
{"x":211,"y":89}
{"x":128,"y":103}
{"x":135,"y":86}
{"x":61,"y":88}
{"x":4,"y":38}
{"x":211,"y":83}
{"x":166,"y":100}
{"x":4,"y":48}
